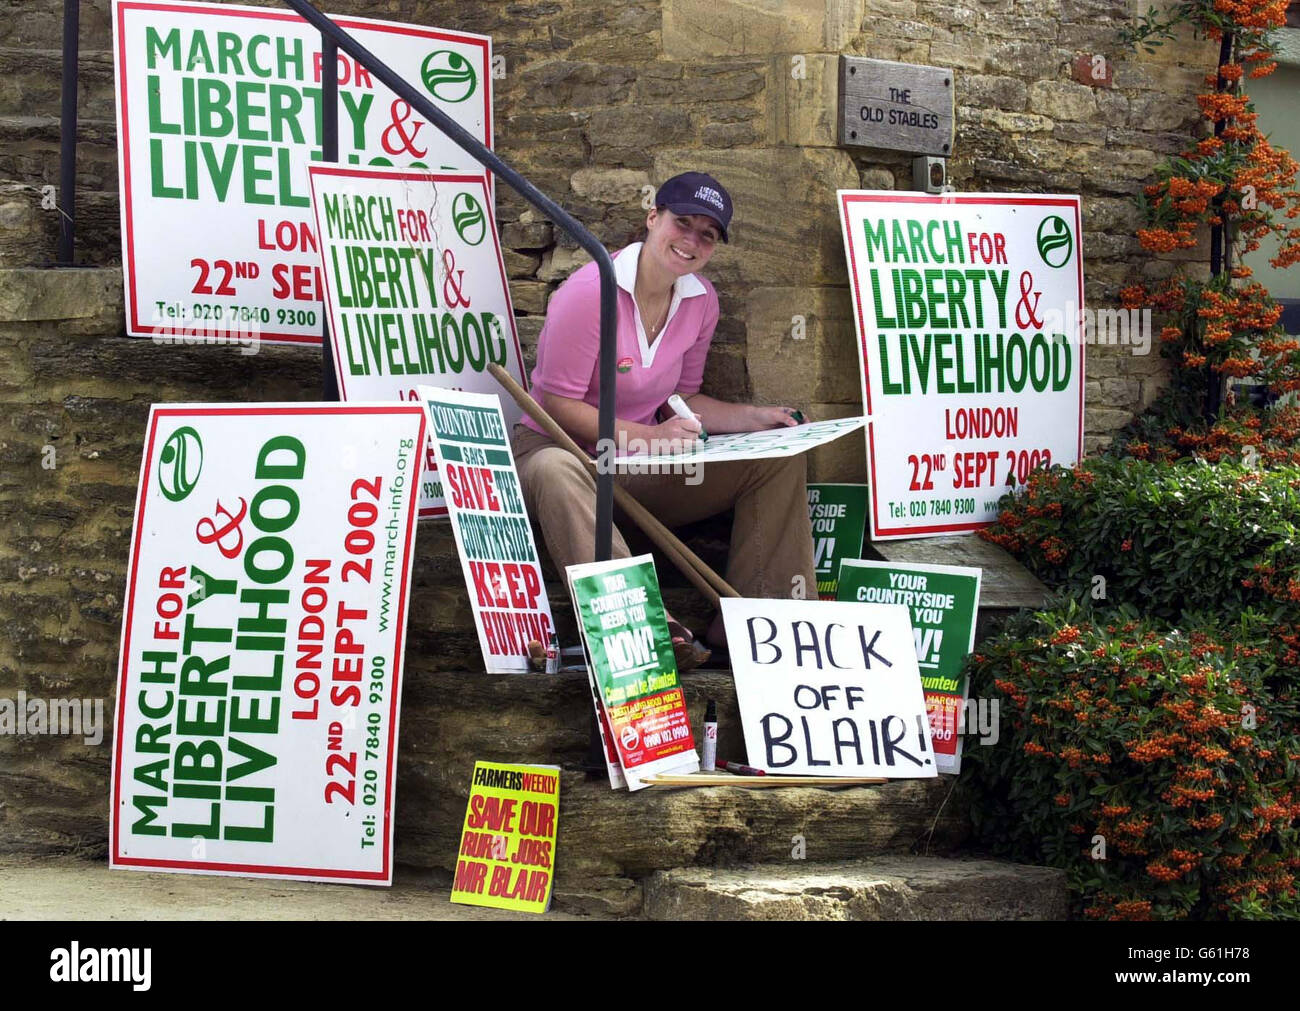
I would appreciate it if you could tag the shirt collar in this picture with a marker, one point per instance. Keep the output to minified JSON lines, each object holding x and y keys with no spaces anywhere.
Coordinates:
{"x":685,"y":286}
{"x":625,"y":264}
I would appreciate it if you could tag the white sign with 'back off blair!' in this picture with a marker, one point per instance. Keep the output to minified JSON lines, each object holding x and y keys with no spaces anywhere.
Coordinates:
{"x":829,"y":688}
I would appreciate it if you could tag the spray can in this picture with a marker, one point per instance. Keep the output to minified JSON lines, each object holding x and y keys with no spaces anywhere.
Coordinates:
{"x":553,"y":655}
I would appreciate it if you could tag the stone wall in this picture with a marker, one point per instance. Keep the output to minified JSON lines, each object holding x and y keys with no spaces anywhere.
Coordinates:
{"x":748,"y":91}
{"x":599,"y":101}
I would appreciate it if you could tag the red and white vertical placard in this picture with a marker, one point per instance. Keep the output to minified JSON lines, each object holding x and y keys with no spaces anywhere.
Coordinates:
{"x":493,"y":536}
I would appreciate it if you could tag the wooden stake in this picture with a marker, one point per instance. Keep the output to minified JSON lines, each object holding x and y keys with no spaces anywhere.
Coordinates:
{"x":758,"y":782}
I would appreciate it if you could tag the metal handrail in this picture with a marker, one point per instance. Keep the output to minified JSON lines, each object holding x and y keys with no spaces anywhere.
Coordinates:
{"x":334,"y":36}
{"x":67,"y":197}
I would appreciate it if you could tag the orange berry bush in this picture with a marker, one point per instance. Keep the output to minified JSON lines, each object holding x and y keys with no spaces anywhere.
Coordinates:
{"x":1177,"y":537}
{"x":1234,"y":187}
{"x":1171,"y":739}
{"x":1158,"y":769}
{"x":1155,"y":758}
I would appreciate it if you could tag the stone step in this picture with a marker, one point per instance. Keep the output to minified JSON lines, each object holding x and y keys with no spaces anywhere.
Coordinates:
{"x":68,"y":888}
{"x":31,"y":82}
{"x":29,"y":151}
{"x":29,"y":230}
{"x":610,"y":839}
{"x":879,"y":888}
{"x":24,"y":24}
{"x":84,"y":298}
{"x":53,"y":799}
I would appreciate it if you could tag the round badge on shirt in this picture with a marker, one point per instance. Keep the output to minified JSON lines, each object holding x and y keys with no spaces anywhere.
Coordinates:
{"x":624,"y":365}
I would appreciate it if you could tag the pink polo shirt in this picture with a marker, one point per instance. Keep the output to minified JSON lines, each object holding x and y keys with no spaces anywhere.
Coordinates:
{"x":568,"y":349}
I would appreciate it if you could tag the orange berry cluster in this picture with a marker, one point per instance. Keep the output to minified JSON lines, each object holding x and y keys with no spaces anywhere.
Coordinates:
{"x":1238,"y":183}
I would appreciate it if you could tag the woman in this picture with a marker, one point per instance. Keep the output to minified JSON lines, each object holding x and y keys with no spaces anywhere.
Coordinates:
{"x":666,"y":318}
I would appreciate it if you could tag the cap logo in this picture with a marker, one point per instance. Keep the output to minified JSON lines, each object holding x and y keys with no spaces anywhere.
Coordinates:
{"x":710,"y":196}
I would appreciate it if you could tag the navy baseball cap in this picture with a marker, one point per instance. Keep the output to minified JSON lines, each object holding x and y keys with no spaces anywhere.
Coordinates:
{"x":697,"y":193}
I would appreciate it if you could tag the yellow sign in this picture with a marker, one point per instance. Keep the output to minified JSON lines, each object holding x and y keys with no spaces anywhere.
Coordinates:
{"x":507,"y":848}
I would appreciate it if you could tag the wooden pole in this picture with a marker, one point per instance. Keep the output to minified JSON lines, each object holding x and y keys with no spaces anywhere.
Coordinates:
{"x":691,"y":565}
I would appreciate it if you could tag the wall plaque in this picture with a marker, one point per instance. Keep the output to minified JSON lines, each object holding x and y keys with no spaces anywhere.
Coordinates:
{"x":896,"y":106}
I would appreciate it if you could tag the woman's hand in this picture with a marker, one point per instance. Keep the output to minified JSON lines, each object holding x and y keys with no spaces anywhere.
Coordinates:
{"x":773,"y":417}
{"x":722,"y":416}
{"x":676,"y":435}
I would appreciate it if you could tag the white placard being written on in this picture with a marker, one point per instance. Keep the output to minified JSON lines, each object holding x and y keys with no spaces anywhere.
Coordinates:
{"x":768,"y":444}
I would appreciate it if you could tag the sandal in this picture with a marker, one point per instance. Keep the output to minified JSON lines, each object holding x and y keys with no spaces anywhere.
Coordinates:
{"x":688,"y":653}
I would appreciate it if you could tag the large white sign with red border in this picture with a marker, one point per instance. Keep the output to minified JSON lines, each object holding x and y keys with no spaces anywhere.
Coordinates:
{"x":416,"y":290}
{"x":261,"y":661}
{"x":218,"y":116}
{"x":969,"y":317}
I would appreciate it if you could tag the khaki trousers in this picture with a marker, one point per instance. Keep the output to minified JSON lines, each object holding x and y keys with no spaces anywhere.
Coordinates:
{"x":771,"y":537}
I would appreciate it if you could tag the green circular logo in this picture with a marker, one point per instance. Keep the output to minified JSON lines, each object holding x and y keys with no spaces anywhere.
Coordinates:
{"x":448,"y":76}
{"x":179,"y":463}
{"x":1055,"y":244}
{"x":468,"y":219}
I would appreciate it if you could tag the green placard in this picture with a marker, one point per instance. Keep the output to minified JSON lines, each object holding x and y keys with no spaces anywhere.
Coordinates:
{"x":838,"y":513}
{"x":623,"y":622}
{"x":942,"y":602}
